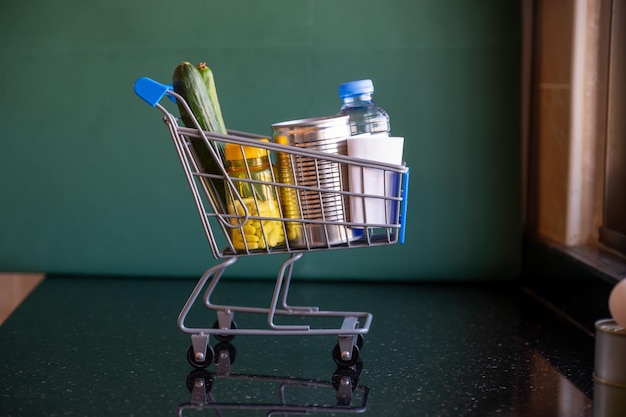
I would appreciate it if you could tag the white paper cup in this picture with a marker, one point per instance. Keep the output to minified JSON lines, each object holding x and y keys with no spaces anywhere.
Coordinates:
{"x":379,"y":183}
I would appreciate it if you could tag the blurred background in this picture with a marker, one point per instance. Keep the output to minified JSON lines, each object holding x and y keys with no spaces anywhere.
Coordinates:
{"x":90,"y":183}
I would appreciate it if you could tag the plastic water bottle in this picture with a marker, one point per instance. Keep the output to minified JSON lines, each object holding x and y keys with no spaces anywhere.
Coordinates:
{"x":365,"y":115}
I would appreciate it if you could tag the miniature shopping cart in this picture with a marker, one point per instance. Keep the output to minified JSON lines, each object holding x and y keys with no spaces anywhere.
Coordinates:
{"x":316,"y":229}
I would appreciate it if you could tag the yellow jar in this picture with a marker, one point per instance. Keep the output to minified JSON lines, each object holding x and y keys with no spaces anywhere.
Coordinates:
{"x":289,"y":196}
{"x":263,"y":229}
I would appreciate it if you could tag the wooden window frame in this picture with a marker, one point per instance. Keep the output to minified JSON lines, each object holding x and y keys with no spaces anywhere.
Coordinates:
{"x":613,"y":229}
{"x":565,"y":91}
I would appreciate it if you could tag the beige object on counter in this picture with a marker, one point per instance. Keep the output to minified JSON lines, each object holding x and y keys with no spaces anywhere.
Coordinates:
{"x":617,"y":303}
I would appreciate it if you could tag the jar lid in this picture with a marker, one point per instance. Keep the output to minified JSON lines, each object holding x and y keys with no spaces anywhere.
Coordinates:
{"x":232,"y":151}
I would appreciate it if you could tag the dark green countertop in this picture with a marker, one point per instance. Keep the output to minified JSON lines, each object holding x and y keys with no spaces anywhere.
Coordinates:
{"x":111,"y":347}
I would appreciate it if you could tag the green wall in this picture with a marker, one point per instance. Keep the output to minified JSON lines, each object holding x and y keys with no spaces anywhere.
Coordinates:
{"x":89,"y":182}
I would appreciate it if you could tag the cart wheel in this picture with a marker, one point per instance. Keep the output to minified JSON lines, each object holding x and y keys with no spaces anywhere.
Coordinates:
{"x":346,"y":363}
{"x":358,"y":367}
{"x":200,"y":374}
{"x":225,"y":337}
{"x":360,"y":341}
{"x":191,"y":357}
{"x":225,"y":346}
{"x":345,"y":374}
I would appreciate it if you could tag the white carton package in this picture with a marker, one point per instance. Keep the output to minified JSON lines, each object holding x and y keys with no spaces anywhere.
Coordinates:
{"x":372,"y":181}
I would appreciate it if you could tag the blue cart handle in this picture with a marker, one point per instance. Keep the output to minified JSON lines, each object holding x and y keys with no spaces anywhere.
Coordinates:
{"x":152,"y":91}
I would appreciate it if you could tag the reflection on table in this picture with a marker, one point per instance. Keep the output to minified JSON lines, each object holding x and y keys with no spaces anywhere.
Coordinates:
{"x":224,"y":389}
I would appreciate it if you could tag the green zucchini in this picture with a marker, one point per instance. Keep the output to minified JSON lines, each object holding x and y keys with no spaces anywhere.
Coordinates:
{"x":209,"y":82}
{"x":189,"y":83}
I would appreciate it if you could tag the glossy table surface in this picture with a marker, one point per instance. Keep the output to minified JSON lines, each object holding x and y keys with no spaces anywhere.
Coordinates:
{"x":111,"y":347}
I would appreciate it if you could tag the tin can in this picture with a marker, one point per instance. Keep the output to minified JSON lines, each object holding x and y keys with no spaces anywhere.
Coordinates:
{"x":323,"y":203}
{"x":610,"y":354}
{"x":609,"y":393}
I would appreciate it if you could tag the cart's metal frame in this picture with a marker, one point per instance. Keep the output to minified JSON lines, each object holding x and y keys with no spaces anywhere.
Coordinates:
{"x":214,"y":217}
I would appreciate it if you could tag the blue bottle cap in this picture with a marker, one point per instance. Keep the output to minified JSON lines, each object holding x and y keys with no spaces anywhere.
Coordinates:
{"x":356,"y":88}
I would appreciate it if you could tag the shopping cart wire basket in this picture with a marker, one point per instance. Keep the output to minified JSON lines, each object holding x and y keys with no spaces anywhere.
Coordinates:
{"x":310,"y":225}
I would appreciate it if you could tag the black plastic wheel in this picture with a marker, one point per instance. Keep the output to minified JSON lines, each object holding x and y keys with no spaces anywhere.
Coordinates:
{"x":360,"y":341}
{"x":225,"y":337}
{"x":340,"y":373}
{"x":199,"y":374}
{"x":208,"y":360}
{"x":225,"y":346}
{"x":346,"y":363}
{"x":358,"y":368}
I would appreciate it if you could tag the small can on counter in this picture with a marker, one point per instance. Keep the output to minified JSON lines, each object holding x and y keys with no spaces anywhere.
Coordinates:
{"x":609,"y":392}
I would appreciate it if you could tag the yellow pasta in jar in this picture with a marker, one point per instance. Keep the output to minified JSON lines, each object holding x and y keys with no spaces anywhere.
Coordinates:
{"x":255,"y":233}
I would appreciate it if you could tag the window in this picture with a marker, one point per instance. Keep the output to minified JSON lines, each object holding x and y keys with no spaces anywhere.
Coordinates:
{"x":575,"y":96}
{"x":613,"y":230}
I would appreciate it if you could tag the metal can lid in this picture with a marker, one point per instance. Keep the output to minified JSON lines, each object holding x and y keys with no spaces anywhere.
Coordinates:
{"x":610,"y":326}
{"x":314,"y":122}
